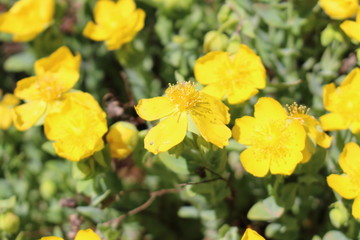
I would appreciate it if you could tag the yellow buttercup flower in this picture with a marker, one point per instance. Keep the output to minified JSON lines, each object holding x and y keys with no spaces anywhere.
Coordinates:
{"x":339,"y":9}
{"x":343,"y":103}
{"x":55,"y":75}
{"x":77,"y":127}
{"x":183,"y":103}
{"x":235,"y":78}
{"x":251,"y":235}
{"x":122,"y":137}
{"x":115,"y":23}
{"x":352,"y":28}
{"x":275,"y":143}
{"x":27,"y":18}
{"x":87,"y":234}
{"x":315,"y":135}
{"x":7,"y":103}
{"x":348,"y":184}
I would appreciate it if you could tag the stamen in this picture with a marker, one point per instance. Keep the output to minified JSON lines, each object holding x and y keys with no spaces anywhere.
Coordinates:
{"x":294,"y":109}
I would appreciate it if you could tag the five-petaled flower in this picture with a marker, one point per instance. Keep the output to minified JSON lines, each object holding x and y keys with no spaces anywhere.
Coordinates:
{"x":348,"y":184}
{"x":339,"y":9}
{"x":86,"y":234}
{"x":27,"y":18}
{"x":77,"y":127}
{"x":275,"y":143}
{"x":7,"y":103}
{"x":55,"y":75}
{"x":352,"y":28}
{"x":182,"y":104}
{"x":115,"y":23}
{"x":251,"y":235}
{"x":235,"y":78}
{"x":315,"y":135}
{"x":343,"y":103}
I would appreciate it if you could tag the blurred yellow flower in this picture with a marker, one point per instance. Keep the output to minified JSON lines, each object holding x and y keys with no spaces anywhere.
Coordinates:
{"x":251,"y":235}
{"x":115,"y":23}
{"x":352,"y":28}
{"x":181,"y":106}
{"x":343,"y":103}
{"x":55,"y":75}
{"x":315,"y":134}
{"x":27,"y":18}
{"x":87,"y":234}
{"x":348,"y":184}
{"x":77,"y":127}
{"x":122,"y":137}
{"x":7,"y":103}
{"x":275,"y":143}
{"x":339,"y":9}
{"x":235,"y":78}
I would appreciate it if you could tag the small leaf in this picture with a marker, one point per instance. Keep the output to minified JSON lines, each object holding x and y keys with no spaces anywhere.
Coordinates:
{"x":96,"y":214}
{"x":265,"y":210}
{"x":19,"y":62}
{"x":175,"y":164}
{"x":335,"y":235}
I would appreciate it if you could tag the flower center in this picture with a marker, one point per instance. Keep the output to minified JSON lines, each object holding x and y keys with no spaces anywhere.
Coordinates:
{"x":49,"y":88}
{"x":184,"y":95}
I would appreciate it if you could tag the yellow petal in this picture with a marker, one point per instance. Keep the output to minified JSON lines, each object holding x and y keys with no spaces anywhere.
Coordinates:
{"x":356,"y":208}
{"x":343,"y":185}
{"x":125,"y":7}
{"x":168,"y":133}
{"x":333,"y":121}
{"x":6,"y":117}
{"x":308,"y":151}
{"x":254,"y":162}
{"x":244,"y":130}
{"x":268,"y":109}
{"x":295,"y":136}
{"x":353,"y":78}
{"x":285,"y":162}
{"x":251,"y":235}
{"x":154,"y":108}
{"x":339,"y":9}
{"x":253,"y":71}
{"x":26,"y":115}
{"x":51,"y":238}
{"x":240,"y":94}
{"x":96,"y":32}
{"x":211,"y":67}
{"x":349,"y":160}
{"x":87,"y":234}
{"x":352,"y":29}
{"x":105,"y":12}
{"x":27,"y":89}
{"x":216,"y":90}
{"x":330,"y":98}
{"x":9,"y":100}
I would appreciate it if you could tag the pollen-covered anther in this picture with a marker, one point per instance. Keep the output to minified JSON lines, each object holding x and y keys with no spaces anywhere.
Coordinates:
{"x":184,"y":95}
{"x":297,"y":109}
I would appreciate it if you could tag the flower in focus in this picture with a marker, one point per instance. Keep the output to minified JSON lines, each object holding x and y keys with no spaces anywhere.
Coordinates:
{"x":55,"y":75}
{"x":115,"y":23}
{"x":77,"y":127}
{"x":87,"y":234}
{"x":348,"y":184}
{"x":251,"y":235}
{"x":236,"y":77}
{"x":181,"y":106}
{"x":339,"y":9}
{"x":275,"y":143}
{"x":315,"y":135}
{"x":343,"y":103}
{"x":122,"y":137}
{"x":352,"y":28}
{"x":27,"y":18}
{"x":7,"y":103}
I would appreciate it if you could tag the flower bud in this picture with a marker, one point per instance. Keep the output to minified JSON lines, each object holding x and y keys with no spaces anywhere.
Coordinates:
{"x":47,"y":189}
{"x":339,"y":215}
{"x":215,"y":41}
{"x":9,"y":222}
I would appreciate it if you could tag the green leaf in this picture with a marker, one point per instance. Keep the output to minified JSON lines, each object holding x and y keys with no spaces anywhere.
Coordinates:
{"x":8,"y":203}
{"x":175,"y":164}
{"x":335,"y":235}
{"x":269,"y":14}
{"x":265,"y":210}
{"x":19,"y":62}
{"x":96,"y":214}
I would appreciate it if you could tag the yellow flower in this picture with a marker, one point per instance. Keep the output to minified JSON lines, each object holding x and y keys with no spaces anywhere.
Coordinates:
{"x":27,"y":18}
{"x":348,"y":184}
{"x":315,"y":135}
{"x":352,"y":28}
{"x":122,"y":137}
{"x":251,"y":235}
{"x":181,"y":106}
{"x":339,"y":9}
{"x":87,"y":234}
{"x":115,"y":23}
{"x":343,"y":103}
{"x":275,"y":143}
{"x":236,"y":78}
{"x":7,"y":103}
{"x":55,"y":75}
{"x":77,"y":127}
